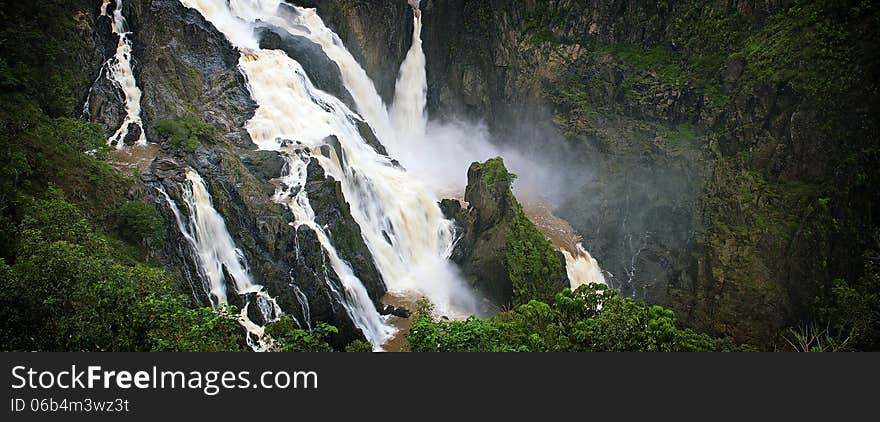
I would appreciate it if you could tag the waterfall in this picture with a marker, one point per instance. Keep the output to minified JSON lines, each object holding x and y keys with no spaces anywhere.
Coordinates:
{"x":400,"y":220}
{"x":217,"y":257}
{"x":354,"y":297}
{"x":306,"y":23}
{"x":118,"y":69}
{"x":411,"y":90}
{"x":397,"y":211}
{"x":581,"y":267}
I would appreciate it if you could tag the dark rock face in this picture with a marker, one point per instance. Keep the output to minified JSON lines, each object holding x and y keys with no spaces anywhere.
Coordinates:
{"x":310,"y":270}
{"x":399,"y":312}
{"x":378,"y":34}
{"x":183,"y":64}
{"x":334,"y":213}
{"x":264,"y":165}
{"x":106,"y":104}
{"x":105,"y":101}
{"x":692,"y":225}
{"x":370,"y":137}
{"x":322,"y":71}
{"x":186,"y":66}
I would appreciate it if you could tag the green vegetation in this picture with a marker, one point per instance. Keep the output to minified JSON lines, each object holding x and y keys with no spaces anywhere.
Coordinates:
{"x":66,"y":282}
{"x":290,"y":338}
{"x":818,"y":47}
{"x":495,"y":175}
{"x":67,"y":291}
{"x":540,"y":23}
{"x":592,"y":318}
{"x":140,"y":224}
{"x":693,"y":49}
{"x":847,"y":316}
{"x":359,"y":346}
{"x":39,"y":151}
{"x":536,"y":270}
{"x":185,"y":133}
{"x":679,"y":135}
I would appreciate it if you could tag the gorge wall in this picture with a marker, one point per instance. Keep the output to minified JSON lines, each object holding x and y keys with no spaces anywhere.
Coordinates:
{"x":725,"y":178}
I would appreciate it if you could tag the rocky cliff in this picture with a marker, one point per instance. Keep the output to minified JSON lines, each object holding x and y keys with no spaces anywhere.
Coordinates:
{"x":728,"y":177}
{"x":187,"y":70}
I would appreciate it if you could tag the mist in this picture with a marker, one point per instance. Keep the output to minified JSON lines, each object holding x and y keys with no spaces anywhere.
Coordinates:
{"x":547,"y":168}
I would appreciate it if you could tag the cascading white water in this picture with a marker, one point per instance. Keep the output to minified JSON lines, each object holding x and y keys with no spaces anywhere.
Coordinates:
{"x":411,"y":90}
{"x":354,"y":296}
{"x":118,"y":69}
{"x":400,"y":220}
{"x":306,"y":23}
{"x":582,"y":268}
{"x":217,"y":256}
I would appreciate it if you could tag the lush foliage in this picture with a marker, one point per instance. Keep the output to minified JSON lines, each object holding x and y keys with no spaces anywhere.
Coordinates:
{"x":535,"y":268}
{"x":359,"y":346}
{"x":289,"y":337}
{"x":140,"y":224}
{"x":66,"y":283}
{"x":847,"y":316}
{"x":494,"y":174}
{"x":593,"y":318}
{"x":809,"y":41}
{"x":67,"y":291}
{"x":185,"y":133}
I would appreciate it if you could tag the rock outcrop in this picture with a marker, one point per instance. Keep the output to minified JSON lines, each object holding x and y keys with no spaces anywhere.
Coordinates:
{"x":500,"y":251}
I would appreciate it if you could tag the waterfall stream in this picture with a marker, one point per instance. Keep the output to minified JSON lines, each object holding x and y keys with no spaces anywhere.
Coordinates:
{"x":118,"y":69}
{"x":217,"y":257}
{"x":400,"y":220}
{"x":398,"y":213}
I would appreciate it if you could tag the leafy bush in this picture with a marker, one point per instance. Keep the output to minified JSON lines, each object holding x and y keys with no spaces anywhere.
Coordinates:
{"x":139,"y":223}
{"x":359,"y":346}
{"x":593,"y":318}
{"x":185,"y":133}
{"x":290,"y":338}
{"x":68,"y":291}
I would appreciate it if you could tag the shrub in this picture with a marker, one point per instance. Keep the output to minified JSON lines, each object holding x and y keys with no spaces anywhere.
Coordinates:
{"x":139,"y":223}
{"x":289,"y":337}
{"x":185,"y":133}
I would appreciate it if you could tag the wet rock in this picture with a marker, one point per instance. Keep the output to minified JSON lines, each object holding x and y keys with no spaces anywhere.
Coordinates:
{"x":183,"y":64}
{"x":106,"y":105}
{"x":133,"y":134}
{"x":370,"y":137}
{"x":451,"y":208}
{"x":265,"y":165}
{"x":311,"y":272}
{"x":253,"y":309}
{"x":333,"y":212}
{"x":322,"y":71}
{"x":399,"y":312}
